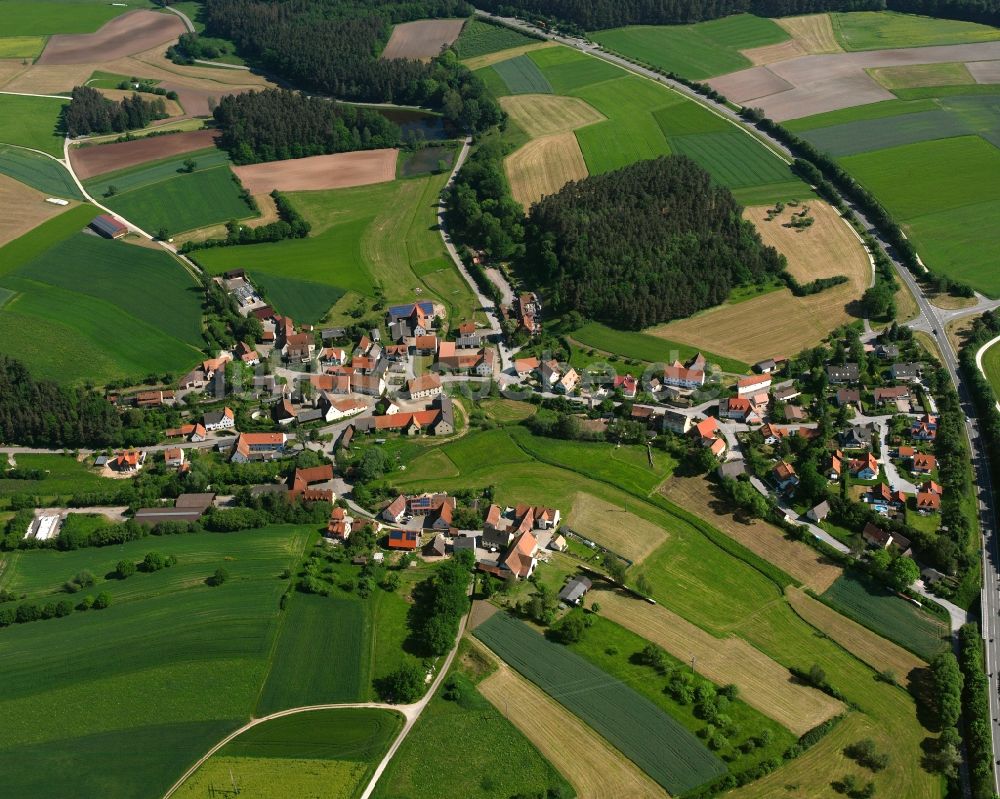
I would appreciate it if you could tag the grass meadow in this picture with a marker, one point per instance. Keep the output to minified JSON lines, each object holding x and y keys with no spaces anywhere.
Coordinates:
{"x":880,"y":30}
{"x":522,"y":76}
{"x":31,"y":122}
{"x":39,"y":172}
{"x":991,"y":366}
{"x":696,"y":51}
{"x":68,"y":326}
{"x":303,"y":300}
{"x":44,"y":17}
{"x":157,"y":677}
{"x":64,"y":476}
{"x":480,"y":38}
{"x":35,"y":242}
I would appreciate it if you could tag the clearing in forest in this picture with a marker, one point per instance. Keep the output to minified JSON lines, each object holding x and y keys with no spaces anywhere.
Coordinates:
{"x":545,"y":114}
{"x":763,"y":683}
{"x":797,"y":559}
{"x":560,"y":737}
{"x":543,"y":166}
{"x":422,"y":39}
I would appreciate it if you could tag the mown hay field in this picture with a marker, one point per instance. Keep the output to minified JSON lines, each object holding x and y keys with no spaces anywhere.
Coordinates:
{"x":748,"y":330}
{"x":812,"y":32}
{"x":31,"y":122}
{"x":916,"y":75}
{"x":763,"y":683}
{"x":881,"y":610}
{"x":543,"y":166}
{"x":650,"y":738}
{"x":882,"y":30}
{"x":877,"y":652}
{"x":480,"y":62}
{"x":546,"y":114}
{"x":24,"y":209}
{"x":615,"y":528}
{"x":560,"y":736}
{"x":801,"y":561}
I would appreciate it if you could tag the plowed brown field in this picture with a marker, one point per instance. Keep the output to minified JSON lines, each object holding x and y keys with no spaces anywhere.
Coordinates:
{"x":422,"y":39}
{"x":125,"y":35}
{"x":23,"y":209}
{"x":98,"y":159}
{"x":320,"y":172}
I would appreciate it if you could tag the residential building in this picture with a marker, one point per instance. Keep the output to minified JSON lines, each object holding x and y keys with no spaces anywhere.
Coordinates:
{"x":370,"y":385}
{"x":784,"y":475}
{"x":339,"y":526}
{"x":754,"y":384}
{"x":258,"y":447}
{"x":836,"y":467}
{"x":680,"y":376}
{"x":891,"y":394}
{"x":129,"y":460}
{"x":675,"y":421}
{"x":395,"y":510}
{"x":865,"y":468}
{"x":520,"y":560}
{"x":424,"y":387}
{"x":406,"y":540}
{"x":923,"y":463}
{"x":741,"y":409}
{"x":425,"y":344}
{"x":224,"y":419}
{"x":819,"y":512}
{"x":905,"y":371}
{"x":924,"y":428}
{"x":526,"y":366}
{"x":858,"y":436}
{"x":568,"y":382}
{"x":887,"y":352}
{"x":173,"y":458}
{"x":848,"y":373}
{"x":848,"y":396}
{"x":928,"y":501}
{"x":785,"y":393}
{"x":628,"y":385}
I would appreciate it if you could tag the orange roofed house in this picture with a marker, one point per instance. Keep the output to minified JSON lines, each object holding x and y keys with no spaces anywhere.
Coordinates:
{"x":258,"y":447}
{"x":406,"y":540}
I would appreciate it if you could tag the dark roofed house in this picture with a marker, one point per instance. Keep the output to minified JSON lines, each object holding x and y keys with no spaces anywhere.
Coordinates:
{"x":904,"y":371}
{"x":108,"y":226}
{"x":848,"y":373}
{"x":200,"y":502}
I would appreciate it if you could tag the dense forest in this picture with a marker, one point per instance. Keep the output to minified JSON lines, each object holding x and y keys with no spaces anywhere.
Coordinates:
{"x":89,"y":111}
{"x":599,"y":14}
{"x":654,"y":241}
{"x":332,"y":47}
{"x":276,"y":124}
{"x":42,"y":413}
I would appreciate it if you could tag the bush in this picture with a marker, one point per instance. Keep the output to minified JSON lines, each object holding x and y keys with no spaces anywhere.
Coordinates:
{"x":124,"y":569}
{"x":102,"y":600}
{"x":80,"y":581}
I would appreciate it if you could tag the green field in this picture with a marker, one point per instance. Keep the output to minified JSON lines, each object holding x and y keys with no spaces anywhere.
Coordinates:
{"x":152,"y":173}
{"x":39,"y":172}
{"x":654,"y":741}
{"x":426,"y":766}
{"x":991,"y":366}
{"x":522,"y":76}
{"x":69,"y":327}
{"x":480,"y":38}
{"x":695,"y":51}
{"x":34,"y":243}
{"x":852,"y":138}
{"x":21,"y":46}
{"x":31,"y":122}
{"x":567,"y":69}
{"x":304,"y":300}
{"x":348,"y":248}
{"x":644,"y":347}
{"x":922,"y":75}
{"x":321,"y":655}
{"x":43,"y":17}
{"x":319,"y":753}
{"x":179,"y":662}
{"x":882,"y":110}
{"x":184,"y":202}
{"x":732,"y":158}
{"x":881,"y":610}
{"x":878,"y":30}
{"x":64,"y":476}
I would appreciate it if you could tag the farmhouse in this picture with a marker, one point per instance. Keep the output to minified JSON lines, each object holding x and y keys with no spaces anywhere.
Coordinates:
{"x":339,"y":526}
{"x":502,"y":525}
{"x":424,"y":387}
{"x":740,"y":409}
{"x":680,"y":376}
{"x":336,"y":409}
{"x":438,"y":420}
{"x":520,"y":561}
{"x":627,"y":384}
{"x":406,"y":540}
{"x":395,"y":510}
{"x":153,"y":399}
{"x":754,"y":384}
{"x":258,"y":447}
{"x":302,"y":480}
{"x":109,"y":227}
{"x":246,"y":354}
{"x":425,"y":344}
{"x":219,"y":420}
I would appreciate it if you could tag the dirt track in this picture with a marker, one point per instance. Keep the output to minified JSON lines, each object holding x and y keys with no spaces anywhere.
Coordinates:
{"x":422,"y":39}
{"x":95,"y":160}
{"x":125,"y":35}
{"x":320,"y":172}
{"x":813,"y":84}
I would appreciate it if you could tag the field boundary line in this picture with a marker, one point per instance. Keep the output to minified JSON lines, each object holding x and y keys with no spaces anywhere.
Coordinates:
{"x":28,"y":94}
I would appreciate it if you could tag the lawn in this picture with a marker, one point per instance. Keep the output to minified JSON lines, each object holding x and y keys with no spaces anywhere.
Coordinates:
{"x":319,"y":753}
{"x":39,"y":172}
{"x":480,"y":38}
{"x":182,"y":661}
{"x":43,"y":17}
{"x":879,"y":609}
{"x":641,"y":730}
{"x":304,"y":300}
{"x":183,"y":202}
{"x":31,"y":122}
{"x":695,"y":51}
{"x":652,"y":349}
{"x":316,"y":633}
{"x":878,"y":30}
{"x":426,"y":765}
{"x":522,"y":76}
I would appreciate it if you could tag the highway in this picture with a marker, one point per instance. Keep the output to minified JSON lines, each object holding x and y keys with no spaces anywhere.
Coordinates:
{"x":930,"y":319}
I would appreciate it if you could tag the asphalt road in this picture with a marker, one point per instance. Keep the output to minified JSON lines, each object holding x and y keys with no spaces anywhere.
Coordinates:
{"x":930,"y":318}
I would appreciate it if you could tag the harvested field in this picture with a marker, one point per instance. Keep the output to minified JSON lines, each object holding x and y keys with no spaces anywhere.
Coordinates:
{"x":338,"y":171}
{"x":560,"y":736}
{"x":546,"y":114}
{"x":984,"y":71}
{"x":96,"y":160}
{"x":814,"y":84}
{"x":422,"y":39}
{"x":610,"y":526}
{"x":813,"y":33}
{"x":801,"y":561}
{"x":763,"y":683}
{"x":11,"y":68}
{"x":543,"y":166}
{"x":24,"y":209}
{"x":747,"y":331}
{"x":48,"y":79}
{"x":918,"y":75}
{"x":877,"y":652}
{"x":489,"y":59}
{"x":772,"y":53}
{"x":123,"y":36}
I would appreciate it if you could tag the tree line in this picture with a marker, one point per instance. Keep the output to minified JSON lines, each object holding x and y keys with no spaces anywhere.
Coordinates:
{"x":89,"y":111}
{"x":584,"y":15}
{"x":333,"y":46}
{"x":277,"y":124}
{"x":289,"y":225}
{"x":654,"y":241}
